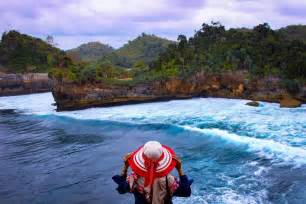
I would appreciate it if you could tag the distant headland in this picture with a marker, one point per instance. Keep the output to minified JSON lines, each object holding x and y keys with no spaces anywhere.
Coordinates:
{"x":257,"y":64}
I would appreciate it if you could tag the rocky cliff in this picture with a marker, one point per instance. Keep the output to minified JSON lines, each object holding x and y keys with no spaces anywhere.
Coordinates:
{"x":70,"y":96}
{"x":15,"y":84}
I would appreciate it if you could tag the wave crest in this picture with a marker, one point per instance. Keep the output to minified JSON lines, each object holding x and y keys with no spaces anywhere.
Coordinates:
{"x":268,"y":148}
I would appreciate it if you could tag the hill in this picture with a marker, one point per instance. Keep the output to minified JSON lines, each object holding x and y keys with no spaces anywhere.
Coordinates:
{"x":145,"y":48}
{"x":90,"y":52}
{"x":20,"y":53}
{"x":257,"y":64}
{"x":260,"y":51}
{"x":294,"y":32}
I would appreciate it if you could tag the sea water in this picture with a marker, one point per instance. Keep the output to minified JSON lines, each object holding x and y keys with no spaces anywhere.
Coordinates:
{"x":235,"y":153}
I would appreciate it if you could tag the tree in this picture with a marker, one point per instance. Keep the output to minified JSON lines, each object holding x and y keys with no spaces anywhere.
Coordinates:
{"x":20,"y":53}
{"x":50,"y":40}
{"x":139,"y":67}
{"x":262,"y":30}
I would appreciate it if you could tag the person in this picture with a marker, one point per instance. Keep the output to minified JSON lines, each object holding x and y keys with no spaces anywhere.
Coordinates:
{"x":150,"y":180}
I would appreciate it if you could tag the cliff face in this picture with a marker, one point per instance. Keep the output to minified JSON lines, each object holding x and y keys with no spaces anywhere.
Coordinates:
{"x":15,"y":84}
{"x":70,"y":96}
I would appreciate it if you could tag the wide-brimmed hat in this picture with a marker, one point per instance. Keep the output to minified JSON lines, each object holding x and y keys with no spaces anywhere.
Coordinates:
{"x":142,"y":163}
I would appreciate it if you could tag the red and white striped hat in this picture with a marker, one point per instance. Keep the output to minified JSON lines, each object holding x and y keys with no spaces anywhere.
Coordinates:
{"x":152,"y":160}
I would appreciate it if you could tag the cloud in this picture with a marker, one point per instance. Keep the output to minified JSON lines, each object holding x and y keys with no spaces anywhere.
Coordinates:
{"x":76,"y":21}
{"x":293,"y":9}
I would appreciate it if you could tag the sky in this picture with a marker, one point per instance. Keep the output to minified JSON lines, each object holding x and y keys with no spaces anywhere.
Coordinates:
{"x":114,"y":22}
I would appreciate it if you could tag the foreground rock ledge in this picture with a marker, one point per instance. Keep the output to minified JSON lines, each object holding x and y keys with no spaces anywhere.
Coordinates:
{"x":72,"y":96}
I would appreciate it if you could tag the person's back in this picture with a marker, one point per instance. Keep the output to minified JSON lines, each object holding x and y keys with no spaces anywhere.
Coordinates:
{"x":151,"y":181}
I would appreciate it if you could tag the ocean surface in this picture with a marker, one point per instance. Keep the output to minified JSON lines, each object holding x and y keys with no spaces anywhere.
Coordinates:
{"x":235,"y":153}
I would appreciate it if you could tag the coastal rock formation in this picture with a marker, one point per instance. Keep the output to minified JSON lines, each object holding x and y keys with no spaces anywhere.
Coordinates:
{"x":289,"y":102}
{"x":70,"y":96}
{"x":15,"y":84}
{"x":252,"y":103}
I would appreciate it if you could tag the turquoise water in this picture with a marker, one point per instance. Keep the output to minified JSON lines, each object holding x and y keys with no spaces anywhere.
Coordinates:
{"x":235,"y":153}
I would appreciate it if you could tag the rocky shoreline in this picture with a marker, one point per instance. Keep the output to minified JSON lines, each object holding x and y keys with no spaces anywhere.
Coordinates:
{"x":73,"y":96}
{"x":17,"y":84}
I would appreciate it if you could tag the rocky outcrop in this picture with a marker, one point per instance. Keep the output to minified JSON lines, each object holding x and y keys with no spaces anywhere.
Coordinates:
{"x":70,"y":96}
{"x":253,"y":103}
{"x":15,"y":84}
{"x":289,"y":102}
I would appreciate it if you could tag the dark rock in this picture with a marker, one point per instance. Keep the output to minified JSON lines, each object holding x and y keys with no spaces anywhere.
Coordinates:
{"x":253,"y":103}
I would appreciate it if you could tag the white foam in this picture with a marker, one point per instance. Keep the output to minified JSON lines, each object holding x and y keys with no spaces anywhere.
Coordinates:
{"x":230,"y":196}
{"x":29,"y":104}
{"x":281,"y":128}
{"x":261,"y":170}
{"x":226,"y":196}
{"x":261,"y":146}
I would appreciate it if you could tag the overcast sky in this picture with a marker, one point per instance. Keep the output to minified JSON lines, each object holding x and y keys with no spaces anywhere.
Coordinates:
{"x":114,"y":22}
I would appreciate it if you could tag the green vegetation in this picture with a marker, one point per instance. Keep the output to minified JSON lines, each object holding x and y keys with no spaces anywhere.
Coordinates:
{"x":82,"y":72}
{"x":100,"y":63}
{"x":21,"y":53}
{"x":294,"y":32}
{"x":292,"y":86}
{"x":127,"y":65}
{"x":260,"y":51}
{"x":144,"y":48}
{"x":90,"y":52}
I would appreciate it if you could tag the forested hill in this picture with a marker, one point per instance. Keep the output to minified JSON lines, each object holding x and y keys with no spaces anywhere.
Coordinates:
{"x":261,"y":51}
{"x":20,"y":53}
{"x":90,"y":52}
{"x":257,"y":64}
{"x":294,"y":32}
{"x":143,"y":49}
